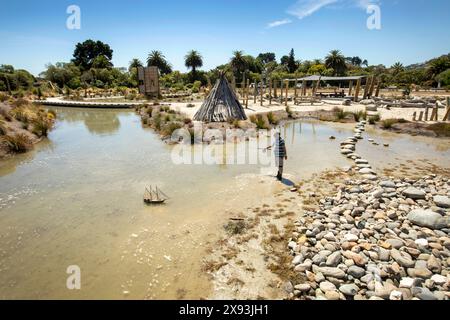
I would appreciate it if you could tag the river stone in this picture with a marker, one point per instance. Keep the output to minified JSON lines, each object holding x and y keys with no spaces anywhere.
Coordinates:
{"x":396,"y":295}
{"x":361,"y":161}
{"x":327,"y":286}
{"x":366,"y":171}
{"x":442,"y":201}
{"x":356,"y":272}
{"x":423,"y":273}
{"x":427,"y":218}
{"x":438,"y":279}
{"x":402,"y":258}
{"x":406,"y":282}
{"x":423,"y":293}
{"x":349,"y":289}
{"x":297,"y":260}
{"x":350,"y":237}
{"x":434,"y":265}
{"x":378,"y":193}
{"x":414,"y":193}
{"x":332,"y":295}
{"x":334,"y":259}
{"x":421,"y":242}
{"x":387,"y":184}
{"x":304,"y":287}
{"x":332,"y":272}
{"x":395,"y":243}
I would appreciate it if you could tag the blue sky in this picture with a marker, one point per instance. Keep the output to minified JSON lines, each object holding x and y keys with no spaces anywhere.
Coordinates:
{"x":34,"y":33}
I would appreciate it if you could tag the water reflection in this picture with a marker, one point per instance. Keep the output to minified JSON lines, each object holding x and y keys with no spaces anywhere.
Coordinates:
{"x":97,"y":121}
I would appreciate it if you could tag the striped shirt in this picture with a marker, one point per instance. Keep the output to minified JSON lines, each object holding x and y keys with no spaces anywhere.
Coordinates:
{"x":280,"y":148}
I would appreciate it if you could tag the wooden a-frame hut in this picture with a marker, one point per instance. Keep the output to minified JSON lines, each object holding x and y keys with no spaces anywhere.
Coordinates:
{"x":221,"y":104}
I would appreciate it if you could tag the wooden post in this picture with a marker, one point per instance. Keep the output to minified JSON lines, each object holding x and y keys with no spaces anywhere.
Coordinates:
{"x":255,"y":91}
{"x":426,"y":113}
{"x":358,"y":87}
{"x":270,"y":92}
{"x":243,"y":89}
{"x":372,"y":87}
{"x":247,"y":88}
{"x":287,"y":89}
{"x":281,"y":91}
{"x":447,"y":113}
{"x":366,"y":88}
{"x":377,"y":92}
{"x":295,"y":91}
{"x":421,"y":116}
{"x":350,"y":88}
{"x":414,"y":116}
{"x":303,"y":88}
{"x":275,"y":94}
{"x":261,"y":93}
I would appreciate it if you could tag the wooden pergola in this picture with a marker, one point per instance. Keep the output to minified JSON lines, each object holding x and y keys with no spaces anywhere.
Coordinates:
{"x":315,"y":80}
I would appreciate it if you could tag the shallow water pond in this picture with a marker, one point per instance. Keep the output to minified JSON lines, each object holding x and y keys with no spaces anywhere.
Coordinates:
{"x":77,"y":200}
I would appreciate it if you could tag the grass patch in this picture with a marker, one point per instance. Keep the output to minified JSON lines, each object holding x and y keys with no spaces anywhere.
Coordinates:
{"x":260,"y":121}
{"x":374,"y":118}
{"x":388,"y":123}
{"x":360,"y":115}
{"x":441,"y":129}
{"x":272,"y":119}
{"x":2,"y":127}
{"x":234,"y":227}
{"x":18,"y":143}
{"x":339,"y":113}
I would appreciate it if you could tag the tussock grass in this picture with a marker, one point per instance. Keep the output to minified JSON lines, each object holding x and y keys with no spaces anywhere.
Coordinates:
{"x":235,"y":227}
{"x":18,"y":143}
{"x":441,"y":129}
{"x":272,"y":119}
{"x":388,"y":123}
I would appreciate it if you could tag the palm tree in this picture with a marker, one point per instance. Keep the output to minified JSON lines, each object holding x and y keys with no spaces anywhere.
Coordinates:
{"x":135,"y":63}
{"x":397,"y":68}
{"x":193,"y":60}
{"x":238,"y":62}
{"x":336,"y":61}
{"x":157,"y":59}
{"x":365,"y":63}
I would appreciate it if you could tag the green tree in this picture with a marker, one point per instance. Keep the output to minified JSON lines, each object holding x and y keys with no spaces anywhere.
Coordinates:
{"x":238,"y":64}
{"x":193,"y":60}
{"x":336,"y":61}
{"x":134,"y":64}
{"x":291,"y":62}
{"x":101,"y":62}
{"x":397,"y":68}
{"x":157,"y":59}
{"x":267,"y":57}
{"x":86,"y":52}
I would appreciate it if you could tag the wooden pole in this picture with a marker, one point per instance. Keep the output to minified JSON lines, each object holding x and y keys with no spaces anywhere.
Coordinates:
{"x":261,"y":93}
{"x":434,"y":112}
{"x":287,"y":89}
{"x":377,"y":92}
{"x":372,"y":87}
{"x":270,"y":92}
{"x":303,"y":88}
{"x":366,"y":88}
{"x":426,"y":113}
{"x":247,"y":88}
{"x":421,"y":116}
{"x":447,"y":113}
{"x":275,"y":94}
{"x":414,"y":116}
{"x":295,"y":91}
{"x":281,"y":89}
{"x":358,"y":87}
{"x":243,"y":89}
{"x":255,"y":91}
{"x":350,"y":88}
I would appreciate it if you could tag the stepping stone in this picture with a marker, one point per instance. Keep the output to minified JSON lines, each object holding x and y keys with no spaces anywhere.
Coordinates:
{"x":362,"y":161}
{"x":367,"y":171}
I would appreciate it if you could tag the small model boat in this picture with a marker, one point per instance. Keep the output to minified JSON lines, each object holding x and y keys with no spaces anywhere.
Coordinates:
{"x":154,"y":196}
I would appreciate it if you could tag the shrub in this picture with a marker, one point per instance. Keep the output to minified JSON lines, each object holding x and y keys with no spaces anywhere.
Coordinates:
{"x":41,"y":126}
{"x":19,"y":103}
{"x":360,"y":115}
{"x":20,"y":114}
{"x":441,"y":129}
{"x":388,"y":123}
{"x":289,"y":112}
{"x":157,"y":121}
{"x":2,"y":127}
{"x":375,"y":118}
{"x":236,"y":124}
{"x":190,"y":105}
{"x":3,"y":97}
{"x":170,"y":128}
{"x":17,"y":143}
{"x":261,"y":122}
{"x":339,"y":113}
{"x":272,"y":119}
{"x":235,"y":227}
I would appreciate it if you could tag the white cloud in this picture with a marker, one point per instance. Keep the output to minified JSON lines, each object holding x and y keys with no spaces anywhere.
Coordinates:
{"x":305,"y":8}
{"x":279,"y":23}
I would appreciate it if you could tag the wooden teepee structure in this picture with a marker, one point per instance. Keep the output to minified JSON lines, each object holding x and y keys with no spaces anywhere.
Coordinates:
{"x":221,"y":104}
